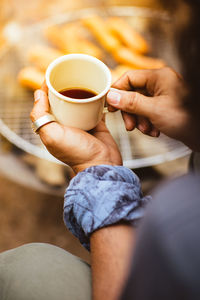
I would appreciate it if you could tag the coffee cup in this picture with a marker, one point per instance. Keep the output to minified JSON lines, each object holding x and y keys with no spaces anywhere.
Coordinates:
{"x":78,"y":71}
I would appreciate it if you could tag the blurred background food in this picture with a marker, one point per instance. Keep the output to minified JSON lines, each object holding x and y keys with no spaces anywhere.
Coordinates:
{"x":112,"y":35}
{"x":31,"y":191}
{"x":29,"y":12}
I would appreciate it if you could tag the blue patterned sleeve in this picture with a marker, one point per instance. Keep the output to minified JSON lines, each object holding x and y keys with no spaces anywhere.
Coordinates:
{"x":101,"y":196}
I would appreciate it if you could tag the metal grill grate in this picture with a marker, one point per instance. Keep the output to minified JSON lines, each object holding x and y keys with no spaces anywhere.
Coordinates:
{"x":16,"y":103}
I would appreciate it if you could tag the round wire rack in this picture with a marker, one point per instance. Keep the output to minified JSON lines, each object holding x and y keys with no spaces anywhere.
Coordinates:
{"x":16,"y":103}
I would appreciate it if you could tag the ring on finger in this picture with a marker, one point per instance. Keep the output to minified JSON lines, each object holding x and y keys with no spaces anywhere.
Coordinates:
{"x":46,"y":119}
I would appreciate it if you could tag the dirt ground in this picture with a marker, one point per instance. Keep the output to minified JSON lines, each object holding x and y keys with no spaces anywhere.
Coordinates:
{"x":28,"y":216}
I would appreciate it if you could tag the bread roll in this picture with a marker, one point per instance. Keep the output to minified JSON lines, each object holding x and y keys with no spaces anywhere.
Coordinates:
{"x":101,"y":32}
{"x":71,"y":39}
{"x":126,"y":56}
{"x":119,"y":71}
{"x":128,"y":36}
{"x":42,"y":56}
{"x":31,"y":78}
{"x":54,"y":36}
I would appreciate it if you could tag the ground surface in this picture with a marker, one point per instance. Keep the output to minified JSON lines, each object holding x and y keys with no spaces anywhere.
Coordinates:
{"x":31,"y":213}
{"x":29,"y":216}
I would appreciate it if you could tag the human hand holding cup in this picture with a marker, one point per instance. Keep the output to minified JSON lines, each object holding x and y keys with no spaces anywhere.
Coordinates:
{"x":83,"y":72}
{"x":63,"y":136}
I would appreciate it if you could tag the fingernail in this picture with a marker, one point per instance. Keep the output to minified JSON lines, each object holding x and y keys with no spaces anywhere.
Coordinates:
{"x":141,"y":127}
{"x":155,"y":133}
{"x":113,"y":97}
{"x":37,"y":95}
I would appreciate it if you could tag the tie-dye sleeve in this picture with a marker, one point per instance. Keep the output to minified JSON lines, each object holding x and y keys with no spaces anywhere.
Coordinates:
{"x":101,"y":196}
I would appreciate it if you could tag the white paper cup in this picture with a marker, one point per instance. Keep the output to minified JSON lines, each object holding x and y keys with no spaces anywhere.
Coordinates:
{"x":78,"y":71}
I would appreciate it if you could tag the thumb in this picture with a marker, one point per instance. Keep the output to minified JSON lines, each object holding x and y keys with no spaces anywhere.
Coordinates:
{"x":41,"y":105}
{"x":131,"y":102}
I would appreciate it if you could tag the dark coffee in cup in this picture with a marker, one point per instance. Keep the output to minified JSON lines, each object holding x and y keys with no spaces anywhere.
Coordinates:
{"x":78,"y":93}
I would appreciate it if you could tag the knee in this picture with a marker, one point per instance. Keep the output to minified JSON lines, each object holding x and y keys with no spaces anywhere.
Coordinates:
{"x":43,"y":268}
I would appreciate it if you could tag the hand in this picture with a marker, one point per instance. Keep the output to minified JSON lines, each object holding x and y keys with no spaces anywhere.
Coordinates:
{"x":77,"y":148}
{"x":152,"y":100}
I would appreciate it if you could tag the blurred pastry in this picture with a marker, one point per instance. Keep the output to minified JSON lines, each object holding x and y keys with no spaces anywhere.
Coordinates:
{"x":127,"y":35}
{"x":2,"y":40}
{"x":114,"y":75}
{"x":121,"y":69}
{"x":101,"y":32}
{"x":124,"y":55}
{"x":54,"y":36}
{"x":31,"y":78}
{"x":79,"y":42}
{"x":71,"y":39}
{"x":114,"y":34}
{"x":42,"y":56}
{"x":87,"y":47}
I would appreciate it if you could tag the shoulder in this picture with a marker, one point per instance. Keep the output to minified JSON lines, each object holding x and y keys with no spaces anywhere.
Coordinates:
{"x":176,"y":196}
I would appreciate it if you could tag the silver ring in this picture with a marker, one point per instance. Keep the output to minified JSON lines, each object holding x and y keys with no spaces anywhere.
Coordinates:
{"x":46,"y":119}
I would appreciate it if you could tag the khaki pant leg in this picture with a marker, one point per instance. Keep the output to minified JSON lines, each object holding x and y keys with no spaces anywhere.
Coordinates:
{"x":42,"y":271}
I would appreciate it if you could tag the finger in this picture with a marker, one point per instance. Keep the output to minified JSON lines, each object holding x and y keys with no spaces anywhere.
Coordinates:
{"x":133,"y":79}
{"x":129,"y":121}
{"x":154,"y":132}
{"x":41,"y":105}
{"x":44,"y":87}
{"x":144,"y":125}
{"x":40,"y":108}
{"x":101,"y":127}
{"x":131,"y":102}
{"x":112,"y":109}
{"x":103,"y":118}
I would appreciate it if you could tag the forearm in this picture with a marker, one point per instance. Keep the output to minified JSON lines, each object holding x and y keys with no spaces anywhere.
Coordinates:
{"x":111,"y":252}
{"x":102,"y":204}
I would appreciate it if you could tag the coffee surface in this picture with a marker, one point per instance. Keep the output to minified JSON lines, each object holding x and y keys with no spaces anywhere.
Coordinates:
{"x":77,"y":93}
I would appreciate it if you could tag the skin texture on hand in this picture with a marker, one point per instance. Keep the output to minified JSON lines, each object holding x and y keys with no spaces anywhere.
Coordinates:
{"x":111,"y":247}
{"x":77,"y":148}
{"x":152,"y":100}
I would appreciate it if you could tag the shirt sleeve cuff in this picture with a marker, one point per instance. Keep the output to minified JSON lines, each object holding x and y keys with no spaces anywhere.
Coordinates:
{"x":101,"y":196}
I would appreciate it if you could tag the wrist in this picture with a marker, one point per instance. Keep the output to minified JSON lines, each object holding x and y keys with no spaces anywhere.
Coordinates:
{"x":101,"y":196}
{"x":81,"y":167}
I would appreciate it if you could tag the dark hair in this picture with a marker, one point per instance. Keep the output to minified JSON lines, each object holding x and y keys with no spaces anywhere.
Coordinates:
{"x":188,"y":44}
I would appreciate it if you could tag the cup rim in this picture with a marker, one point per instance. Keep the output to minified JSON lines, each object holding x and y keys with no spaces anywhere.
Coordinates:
{"x":60,"y":59}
